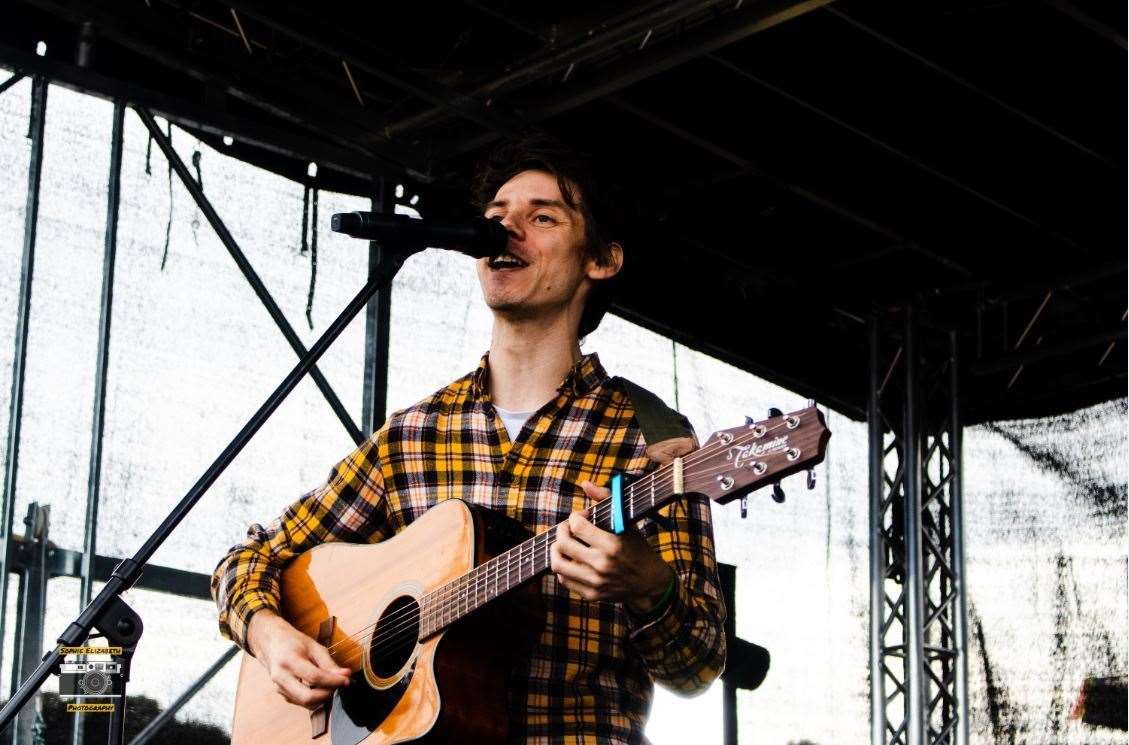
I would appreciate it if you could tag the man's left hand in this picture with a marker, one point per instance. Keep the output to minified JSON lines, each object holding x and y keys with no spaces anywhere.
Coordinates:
{"x":598,"y":565}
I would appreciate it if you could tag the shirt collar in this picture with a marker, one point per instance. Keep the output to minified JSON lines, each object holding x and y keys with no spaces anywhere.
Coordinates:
{"x":585,"y":376}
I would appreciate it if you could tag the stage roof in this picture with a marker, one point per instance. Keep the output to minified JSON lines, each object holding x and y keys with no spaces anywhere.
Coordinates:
{"x":797,"y":165}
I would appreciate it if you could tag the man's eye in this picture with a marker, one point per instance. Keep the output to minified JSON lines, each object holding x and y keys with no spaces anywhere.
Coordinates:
{"x":496,"y":217}
{"x":545,"y":219}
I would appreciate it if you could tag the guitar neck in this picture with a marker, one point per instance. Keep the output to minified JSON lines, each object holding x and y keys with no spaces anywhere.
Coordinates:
{"x":729,"y":465}
{"x":497,"y":576}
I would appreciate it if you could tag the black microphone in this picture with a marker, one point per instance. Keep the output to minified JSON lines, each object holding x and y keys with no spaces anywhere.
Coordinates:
{"x":477,"y":237}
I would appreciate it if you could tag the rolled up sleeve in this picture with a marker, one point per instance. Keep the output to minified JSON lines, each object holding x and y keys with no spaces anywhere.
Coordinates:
{"x":684,"y":648}
{"x":349,"y":507}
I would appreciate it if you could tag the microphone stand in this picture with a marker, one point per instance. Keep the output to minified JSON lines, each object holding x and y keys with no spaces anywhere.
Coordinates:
{"x":107,"y":612}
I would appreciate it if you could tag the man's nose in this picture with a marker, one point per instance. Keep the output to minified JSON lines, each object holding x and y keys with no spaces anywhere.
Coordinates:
{"x":513,"y":227}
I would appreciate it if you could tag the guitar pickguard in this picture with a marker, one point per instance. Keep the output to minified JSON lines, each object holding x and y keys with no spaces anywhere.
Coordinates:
{"x":358,"y":709}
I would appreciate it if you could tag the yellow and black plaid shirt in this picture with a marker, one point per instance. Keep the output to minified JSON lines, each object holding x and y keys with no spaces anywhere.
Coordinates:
{"x":589,"y":676}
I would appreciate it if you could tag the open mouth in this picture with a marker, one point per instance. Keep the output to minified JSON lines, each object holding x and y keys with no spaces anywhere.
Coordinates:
{"x":506,"y":261}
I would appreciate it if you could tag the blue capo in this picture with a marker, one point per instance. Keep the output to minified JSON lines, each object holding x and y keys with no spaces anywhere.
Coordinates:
{"x":618,"y":523}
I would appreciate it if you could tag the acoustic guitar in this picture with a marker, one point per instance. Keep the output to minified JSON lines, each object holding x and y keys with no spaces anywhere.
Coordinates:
{"x":427,"y":620}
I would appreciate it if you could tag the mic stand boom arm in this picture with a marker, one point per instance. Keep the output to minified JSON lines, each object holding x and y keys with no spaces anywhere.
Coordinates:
{"x":107,"y":611}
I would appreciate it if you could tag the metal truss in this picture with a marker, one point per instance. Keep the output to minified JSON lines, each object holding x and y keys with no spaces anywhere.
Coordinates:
{"x":918,"y":678}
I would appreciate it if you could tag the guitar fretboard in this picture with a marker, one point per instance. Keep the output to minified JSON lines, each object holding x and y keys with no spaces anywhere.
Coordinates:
{"x":462,"y":596}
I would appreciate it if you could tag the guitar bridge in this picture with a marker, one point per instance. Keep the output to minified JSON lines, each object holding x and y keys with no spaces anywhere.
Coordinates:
{"x":319,"y":717}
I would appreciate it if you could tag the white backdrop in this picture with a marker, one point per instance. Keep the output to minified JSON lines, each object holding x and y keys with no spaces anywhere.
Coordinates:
{"x":193,"y":353}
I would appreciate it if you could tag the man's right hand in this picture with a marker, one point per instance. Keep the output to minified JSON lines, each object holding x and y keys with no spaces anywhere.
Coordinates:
{"x":301,"y":669}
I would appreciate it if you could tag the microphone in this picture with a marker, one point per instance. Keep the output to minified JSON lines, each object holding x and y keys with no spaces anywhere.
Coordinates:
{"x":477,"y":237}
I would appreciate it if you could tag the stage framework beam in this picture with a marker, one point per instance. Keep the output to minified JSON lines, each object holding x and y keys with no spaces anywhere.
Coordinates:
{"x":16,"y":77}
{"x":893,"y":151}
{"x":23,"y":318}
{"x":918,"y":666}
{"x":310,"y":28}
{"x":245,"y":129}
{"x":97,"y":428}
{"x":969,"y":85}
{"x":709,"y":37}
{"x":31,"y":604}
{"x":213,"y":218}
{"x":248,"y":79}
{"x":747,"y":166}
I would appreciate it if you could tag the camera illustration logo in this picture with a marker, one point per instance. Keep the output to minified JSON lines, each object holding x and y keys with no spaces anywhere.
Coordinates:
{"x":90,"y":680}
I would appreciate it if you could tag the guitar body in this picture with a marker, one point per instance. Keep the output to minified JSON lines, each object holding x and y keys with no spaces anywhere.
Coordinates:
{"x":451,"y":687}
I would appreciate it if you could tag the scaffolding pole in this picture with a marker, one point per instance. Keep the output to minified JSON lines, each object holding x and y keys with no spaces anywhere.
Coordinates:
{"x":97,"y":428}
{"x":23,"y":317}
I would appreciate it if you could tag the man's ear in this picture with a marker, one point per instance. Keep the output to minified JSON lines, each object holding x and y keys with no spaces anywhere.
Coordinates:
{"x":609,"y":267}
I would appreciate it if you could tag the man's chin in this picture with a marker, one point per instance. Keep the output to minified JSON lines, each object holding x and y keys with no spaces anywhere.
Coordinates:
{"x":510,"y":309}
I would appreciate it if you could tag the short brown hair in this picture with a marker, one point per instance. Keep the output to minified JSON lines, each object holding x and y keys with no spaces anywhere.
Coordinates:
{"x":580,"y":189}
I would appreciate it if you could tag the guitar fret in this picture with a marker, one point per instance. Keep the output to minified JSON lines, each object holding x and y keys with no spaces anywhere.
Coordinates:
{"x":486,"y":582}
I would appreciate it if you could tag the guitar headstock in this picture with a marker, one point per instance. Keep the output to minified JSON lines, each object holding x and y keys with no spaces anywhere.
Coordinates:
{"x":734,"y":462}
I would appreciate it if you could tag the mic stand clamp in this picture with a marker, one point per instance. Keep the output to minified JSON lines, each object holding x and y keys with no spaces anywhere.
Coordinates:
{"x":122,"y":627}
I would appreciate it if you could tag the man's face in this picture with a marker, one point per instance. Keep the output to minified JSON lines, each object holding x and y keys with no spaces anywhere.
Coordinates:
{"x":543,"y":270}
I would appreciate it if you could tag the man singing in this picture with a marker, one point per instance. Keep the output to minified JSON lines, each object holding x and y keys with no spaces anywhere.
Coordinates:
{"x":533,"y":433}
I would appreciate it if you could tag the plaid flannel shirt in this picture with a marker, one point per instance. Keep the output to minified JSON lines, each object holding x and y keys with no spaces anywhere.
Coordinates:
{"x":589,"y":678}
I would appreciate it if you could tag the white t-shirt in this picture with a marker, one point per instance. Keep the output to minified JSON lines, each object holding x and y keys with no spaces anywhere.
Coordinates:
{"x":513,"y":420}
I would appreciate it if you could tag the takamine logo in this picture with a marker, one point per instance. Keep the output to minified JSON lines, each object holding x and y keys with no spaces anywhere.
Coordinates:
{"x":778,"y":443}
{"x":745,"y":453}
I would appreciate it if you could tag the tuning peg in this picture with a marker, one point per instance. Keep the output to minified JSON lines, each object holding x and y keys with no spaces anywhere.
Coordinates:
{"x":811,"y":478}
{"x":811,"y":402}
{"x":744,"y":507}
{"x":749,"y":420}
{"x":777,"y":493}
{"x":775,"y":412}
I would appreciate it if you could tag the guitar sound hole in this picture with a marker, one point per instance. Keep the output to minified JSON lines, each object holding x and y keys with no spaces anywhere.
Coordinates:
{"x":395,"y":637}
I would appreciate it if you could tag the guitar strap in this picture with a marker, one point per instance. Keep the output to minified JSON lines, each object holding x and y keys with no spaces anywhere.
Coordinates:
{"x":657,"y":421}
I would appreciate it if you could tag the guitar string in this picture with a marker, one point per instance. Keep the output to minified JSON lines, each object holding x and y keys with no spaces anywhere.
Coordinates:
{"x":460,"y":588}
{"x":469,"y":582}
